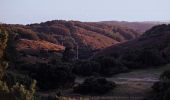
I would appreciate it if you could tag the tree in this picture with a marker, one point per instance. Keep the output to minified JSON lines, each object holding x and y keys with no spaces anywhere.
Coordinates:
{"x":94,"y":85}
{"x":151,"y":57}
{"x":161,"y":89}
{"x":52,"y":76}
{"x":165,"y":76}
{"x":3,"y":42}
{"x":86,"y":67}
{"x":167,"y":95}
{"x":110,"y":66}
{"x":68,"y":54}
{"x":21,"y":93}
{"x":18,"y":91}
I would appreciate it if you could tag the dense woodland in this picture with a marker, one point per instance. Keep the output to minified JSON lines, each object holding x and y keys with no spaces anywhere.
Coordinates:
{"x":54,"y":53}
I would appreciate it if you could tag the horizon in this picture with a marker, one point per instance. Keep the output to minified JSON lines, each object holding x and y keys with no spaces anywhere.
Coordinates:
{"x":150,"y":21}
{"x":28,"y":12}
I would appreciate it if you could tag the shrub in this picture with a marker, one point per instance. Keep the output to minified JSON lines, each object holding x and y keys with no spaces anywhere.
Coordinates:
{"x":161,"y":89}
{"x":129,"y":59}
{"x":20,"y":93}
{"x":141,"y":58}
{"x":3,"y":42}
{"x":110,"y":66}
{"x":47,"y":37}
{"x":52,"y":76}
{"x":86,"y":68}
{"x":12,"y":78}
{"x":27,"y":33}
{"x":165,"y":76}
{"x":161,"y":86}
{"x":68,"y":54}
{"x":94,"y":86}
{"x":167,"y":95}
{"x":3,"y":87}
{"x":151,"y":57}
{"x":166,"y":53}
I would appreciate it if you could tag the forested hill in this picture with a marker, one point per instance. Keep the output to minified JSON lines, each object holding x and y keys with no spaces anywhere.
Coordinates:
{"x":48,"y":40}
{"x":94,"y":35}
{"x":138,"y":26}
{"x":150,"y":49}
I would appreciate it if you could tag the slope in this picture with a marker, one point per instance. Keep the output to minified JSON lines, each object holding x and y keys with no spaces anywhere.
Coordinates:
{"x":151,"y":49}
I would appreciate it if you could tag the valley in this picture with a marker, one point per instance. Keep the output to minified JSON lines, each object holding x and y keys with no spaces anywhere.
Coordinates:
{"x":72,"y":59}
{"x":84,"y":50}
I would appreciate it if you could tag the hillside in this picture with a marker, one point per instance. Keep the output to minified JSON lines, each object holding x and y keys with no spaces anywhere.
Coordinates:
{"x":138,"y":26}
{"x":150,"y":49}
{"x":41,"y":41}
{"x":82,"y":31}
{"x":39,"y":44}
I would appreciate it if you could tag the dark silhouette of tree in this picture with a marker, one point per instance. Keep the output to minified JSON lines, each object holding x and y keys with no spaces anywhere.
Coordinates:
{"x":161,"y":89}
{"x":86,"y":68}
{"x":94,"y":85}
{"x":68,"y":54}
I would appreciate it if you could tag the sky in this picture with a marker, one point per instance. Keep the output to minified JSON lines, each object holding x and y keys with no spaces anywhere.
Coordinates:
{"x":36,"y":11}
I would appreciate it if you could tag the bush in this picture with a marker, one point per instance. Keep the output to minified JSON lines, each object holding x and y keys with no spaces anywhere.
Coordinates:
{"x":161,"y":89}
{"x":141,"y":58}
{"x":167,"y":95}
{"x":12,"y":78}
{"x":18,"y":91}
{"x":52,"y":76}
{"x":166,"y":53}
{"x":86,"y":68}
{"x":68,"y":54}
{"x":129,"y":59}
{"x":21,"y":93}
{"x":164,"y":82}
{"x":27,"y":34}
{"x":3,"y":42}
{"x":165,"y":76}
{"x":94,"y":86}
{"x":110,"y":66}
{"x":151,"y":57}
{"x":47,"y":37}
{"x":161,"y":86}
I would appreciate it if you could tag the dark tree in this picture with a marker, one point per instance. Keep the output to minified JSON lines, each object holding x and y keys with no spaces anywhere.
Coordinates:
{"x":95,"y":86}
{"x":110,"y":66}
{"x":86,"y":68}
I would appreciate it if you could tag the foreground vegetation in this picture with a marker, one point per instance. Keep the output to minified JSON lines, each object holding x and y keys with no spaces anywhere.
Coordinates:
{"x":161,"y":89}
{"x":9,"y":90}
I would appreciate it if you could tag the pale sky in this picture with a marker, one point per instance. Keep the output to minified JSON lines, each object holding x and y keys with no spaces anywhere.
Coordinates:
{"x":35,"y":11}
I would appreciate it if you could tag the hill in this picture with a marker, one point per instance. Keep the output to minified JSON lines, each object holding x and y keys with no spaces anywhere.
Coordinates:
{"x":138,"y":26}
{"x":150,"y":49}
{"x":102,"y":34}
{"x":43,"y":40}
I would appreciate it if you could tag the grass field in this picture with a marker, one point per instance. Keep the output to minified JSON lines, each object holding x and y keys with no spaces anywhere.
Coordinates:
{"x":134,"y":85}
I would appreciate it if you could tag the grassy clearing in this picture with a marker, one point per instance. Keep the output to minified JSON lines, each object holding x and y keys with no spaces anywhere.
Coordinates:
{"x":136,"y":83}
{"x":130,"y":86}
{"x":146,"y":75}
